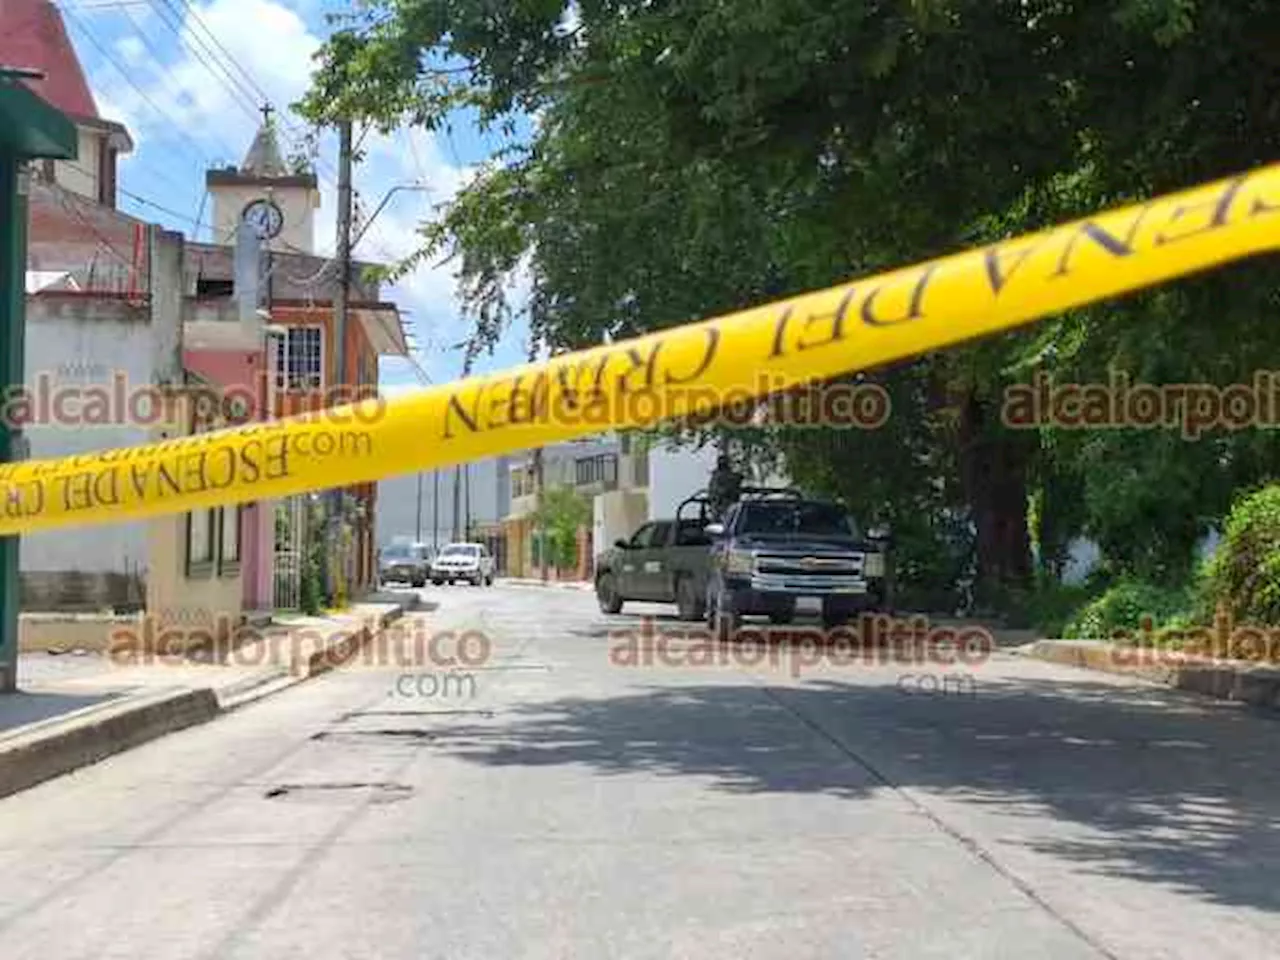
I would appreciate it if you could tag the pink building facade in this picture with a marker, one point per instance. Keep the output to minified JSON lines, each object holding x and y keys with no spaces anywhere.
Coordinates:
{"x":240,"y":374}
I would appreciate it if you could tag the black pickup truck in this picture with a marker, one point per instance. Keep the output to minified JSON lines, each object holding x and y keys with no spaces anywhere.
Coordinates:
{"x":774,"y":547}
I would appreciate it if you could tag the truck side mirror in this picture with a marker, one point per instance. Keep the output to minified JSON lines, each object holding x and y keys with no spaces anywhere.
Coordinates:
{"x":621,"y":544}
{"x":714,"y":529}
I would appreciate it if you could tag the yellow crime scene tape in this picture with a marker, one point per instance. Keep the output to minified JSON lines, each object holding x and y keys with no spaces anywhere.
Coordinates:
{"x":692,"y":369}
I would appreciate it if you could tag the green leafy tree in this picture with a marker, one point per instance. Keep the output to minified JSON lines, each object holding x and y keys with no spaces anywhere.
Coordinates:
{"x":703,"y":157}
{"x":560,"y":513}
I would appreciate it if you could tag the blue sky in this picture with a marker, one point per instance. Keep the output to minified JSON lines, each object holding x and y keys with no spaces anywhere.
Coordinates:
{"x":188,"y":79}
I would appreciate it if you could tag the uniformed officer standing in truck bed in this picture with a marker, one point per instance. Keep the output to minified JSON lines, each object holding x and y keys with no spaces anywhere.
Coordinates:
{"x":725,"y":487}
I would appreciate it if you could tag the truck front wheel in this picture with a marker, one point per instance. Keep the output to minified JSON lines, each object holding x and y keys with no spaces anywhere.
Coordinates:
{"x":724,"y":619}
{"x":607,"y":594}
{"x":688,"y":604}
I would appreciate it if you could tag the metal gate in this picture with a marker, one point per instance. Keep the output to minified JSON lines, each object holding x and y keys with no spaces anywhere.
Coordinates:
{"x":290,"y":552}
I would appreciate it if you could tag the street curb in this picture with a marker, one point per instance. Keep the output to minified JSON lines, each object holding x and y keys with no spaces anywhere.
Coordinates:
{"x":40,"y":752}
{"x":1236,"y":680}
{"x":345,"y":647}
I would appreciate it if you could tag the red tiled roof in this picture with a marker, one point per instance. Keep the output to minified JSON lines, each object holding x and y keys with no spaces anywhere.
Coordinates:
{"x":33,"y":35}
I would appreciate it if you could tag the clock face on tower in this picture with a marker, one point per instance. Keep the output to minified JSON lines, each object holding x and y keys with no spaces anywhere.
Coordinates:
{"x":265,"y":218}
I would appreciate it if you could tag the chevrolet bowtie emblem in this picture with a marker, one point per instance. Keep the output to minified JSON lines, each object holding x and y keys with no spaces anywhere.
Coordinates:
{"x":810,"y":562}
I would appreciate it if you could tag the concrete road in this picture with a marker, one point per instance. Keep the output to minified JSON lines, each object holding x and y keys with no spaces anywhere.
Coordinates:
{"x":566,"y":803}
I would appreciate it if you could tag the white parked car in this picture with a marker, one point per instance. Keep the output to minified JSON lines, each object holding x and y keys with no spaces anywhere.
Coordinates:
{"x":463,"y":561}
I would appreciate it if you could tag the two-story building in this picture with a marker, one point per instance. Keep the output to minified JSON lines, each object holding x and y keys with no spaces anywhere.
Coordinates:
{"x":609,"y":472}
{"x":289,"y":357}
{"x":126,"y":310}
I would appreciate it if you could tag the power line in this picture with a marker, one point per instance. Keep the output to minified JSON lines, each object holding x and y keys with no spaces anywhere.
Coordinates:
{"x":248,"y":94}
{"x":111,"y":4}
{"x":128,"y":193}
{"x":199,"y":152}
{"x":196,"y":18}
{"x":70,"y":208}
{"x":162,"y":7}
{"x":136,"y":198}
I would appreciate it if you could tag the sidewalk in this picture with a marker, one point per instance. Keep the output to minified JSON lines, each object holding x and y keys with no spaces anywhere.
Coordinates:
{"x":72,"y":710}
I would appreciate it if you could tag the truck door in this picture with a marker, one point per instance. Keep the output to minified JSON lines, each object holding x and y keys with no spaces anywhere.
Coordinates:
{"x":651,"y":563}
{"x":690,"y":555}
{"x":630,"y":563}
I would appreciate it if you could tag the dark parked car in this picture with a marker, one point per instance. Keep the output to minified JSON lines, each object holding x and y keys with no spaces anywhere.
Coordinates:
{"x":404,"y":563}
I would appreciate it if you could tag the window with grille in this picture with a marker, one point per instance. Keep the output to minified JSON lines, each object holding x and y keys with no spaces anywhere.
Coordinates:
{"x":300,"y":359}
{"x":598,"y":469}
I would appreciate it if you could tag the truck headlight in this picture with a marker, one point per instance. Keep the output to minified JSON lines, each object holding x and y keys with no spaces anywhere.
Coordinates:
{"x":740,"y":561}
{"x":873,"y":565}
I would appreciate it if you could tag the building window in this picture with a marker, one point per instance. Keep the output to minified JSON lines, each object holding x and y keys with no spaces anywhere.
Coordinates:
{"x":300,"y":359}
{"x":106,"y":173}
{"x":229,"y":521}
{"x":602,"y":468}
{"x":201,"y":533}
{"x":214,"y":287}
{"x":202,"y":525}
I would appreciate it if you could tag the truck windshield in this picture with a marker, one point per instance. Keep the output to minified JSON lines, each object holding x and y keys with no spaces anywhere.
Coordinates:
{"x":460,"y":550}
{"x":815,"y":519}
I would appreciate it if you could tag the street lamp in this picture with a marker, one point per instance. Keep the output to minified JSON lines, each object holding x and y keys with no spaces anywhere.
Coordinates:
{"x":382,"y":203}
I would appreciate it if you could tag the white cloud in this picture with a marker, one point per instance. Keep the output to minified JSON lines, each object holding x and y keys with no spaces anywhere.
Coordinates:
{"x":202,"y":91}
{"x":132,"y":50}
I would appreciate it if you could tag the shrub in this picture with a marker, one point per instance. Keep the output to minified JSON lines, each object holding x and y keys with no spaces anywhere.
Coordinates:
{"x":1123,"y":607}
{"x":1050,"y":608}
{"x":1243,"y":575}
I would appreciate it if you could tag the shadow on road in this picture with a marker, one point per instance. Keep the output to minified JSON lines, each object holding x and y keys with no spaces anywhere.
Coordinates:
{"x":20,"y":709}
{"x":1130,"y":781}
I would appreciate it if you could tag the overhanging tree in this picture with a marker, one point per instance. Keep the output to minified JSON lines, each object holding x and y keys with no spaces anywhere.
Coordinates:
{"x":700,"y":157}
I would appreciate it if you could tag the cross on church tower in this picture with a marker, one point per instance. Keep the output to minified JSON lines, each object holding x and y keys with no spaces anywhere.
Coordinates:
{"x":266,"y":110}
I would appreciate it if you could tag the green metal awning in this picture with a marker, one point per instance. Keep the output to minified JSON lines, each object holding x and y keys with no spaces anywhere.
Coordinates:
{"x":30,"y":128}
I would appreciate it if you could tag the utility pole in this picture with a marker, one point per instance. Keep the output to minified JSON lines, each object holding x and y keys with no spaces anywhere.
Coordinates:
{"x":466,"y":499}
{"x":435,"y":510}
{"x":457,"y":471}
{"x":340,"y":308}
{"x":418,"y":535}
{"x":540,"y":534}
{"x":457,"y":503}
